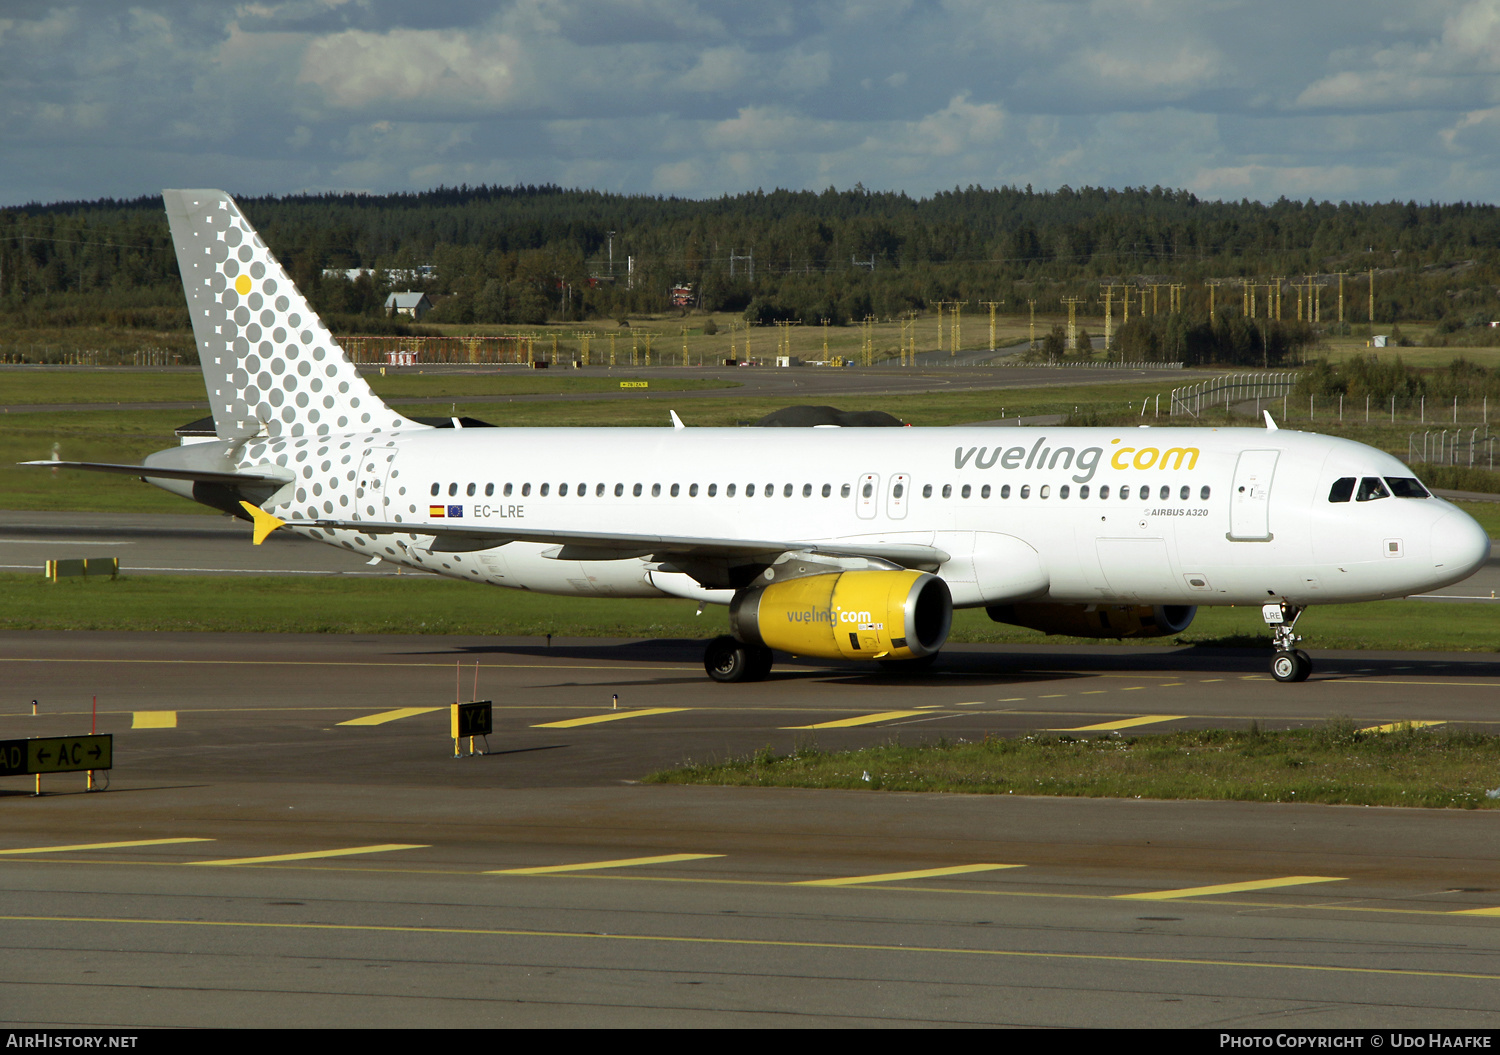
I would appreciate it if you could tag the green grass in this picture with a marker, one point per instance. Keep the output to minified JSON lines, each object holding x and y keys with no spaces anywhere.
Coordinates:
{"x":1333,"y":763}
{"x":425,"y":604}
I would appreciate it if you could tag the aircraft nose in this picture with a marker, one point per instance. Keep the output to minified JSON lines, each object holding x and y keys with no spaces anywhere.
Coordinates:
{"x":1459,"y":545}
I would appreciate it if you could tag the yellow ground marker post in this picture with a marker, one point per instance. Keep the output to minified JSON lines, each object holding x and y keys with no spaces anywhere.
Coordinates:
{"x":1395,"y":727}
{"x":612,"y":716}
{"x":589,"y":866}
{"x":1228,"y":888}
{"x":1122,"y":723}
{"x":863,"y":719}
{"x":312,"y":855}
{"x":153,"y":720}
{"x":100,"y":846}
{"x":391,"y":716}
{"x":896,"y":877}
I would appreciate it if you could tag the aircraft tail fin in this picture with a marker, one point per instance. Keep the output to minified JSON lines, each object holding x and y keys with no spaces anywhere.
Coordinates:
{"x":271,"y":367}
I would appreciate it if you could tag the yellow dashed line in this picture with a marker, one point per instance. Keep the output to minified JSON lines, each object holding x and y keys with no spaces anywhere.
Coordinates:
{"x":391,"y":716}
{"x":101,"y":846}
{"x":863,"y":719}
{"x":589,"y":866}
{"x":311,"y":855}
{"x":1122,"y":723}
{"x":612,"y":716}
{"x":894,"y":877}
{"x":1229,"y":888}
{"x":153,"y":720}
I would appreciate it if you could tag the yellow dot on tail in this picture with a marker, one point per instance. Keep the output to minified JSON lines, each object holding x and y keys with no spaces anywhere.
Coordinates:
{"x":242,"y":285}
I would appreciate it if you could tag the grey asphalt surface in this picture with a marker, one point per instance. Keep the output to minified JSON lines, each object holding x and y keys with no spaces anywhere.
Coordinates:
{"x":356,"y":882}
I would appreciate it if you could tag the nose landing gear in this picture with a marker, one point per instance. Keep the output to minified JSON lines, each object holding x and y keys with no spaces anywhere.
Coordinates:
{"x":1289,"y":663}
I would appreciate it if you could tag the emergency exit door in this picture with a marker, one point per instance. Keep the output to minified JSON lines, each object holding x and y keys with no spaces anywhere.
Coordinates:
{"x":1250,"y":498}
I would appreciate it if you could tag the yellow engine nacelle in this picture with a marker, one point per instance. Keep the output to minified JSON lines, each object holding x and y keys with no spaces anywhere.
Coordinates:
{"x":847,"y":615}
{"x":1097,"y":620}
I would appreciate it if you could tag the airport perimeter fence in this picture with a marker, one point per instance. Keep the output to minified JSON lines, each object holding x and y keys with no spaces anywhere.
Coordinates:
{"x":65,"y":355}
{"x":1095,"y":364}
{"x":1452,"y":447}
{"x":1230,"y":389}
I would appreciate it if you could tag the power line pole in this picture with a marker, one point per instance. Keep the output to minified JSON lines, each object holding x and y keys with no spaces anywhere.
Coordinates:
{"x":992,"y":305}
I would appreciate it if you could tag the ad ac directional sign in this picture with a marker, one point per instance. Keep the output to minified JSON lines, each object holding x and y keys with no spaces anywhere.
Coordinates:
{"x":56,"y":754}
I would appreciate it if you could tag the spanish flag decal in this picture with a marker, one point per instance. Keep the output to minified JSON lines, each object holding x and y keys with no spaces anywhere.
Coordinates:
{"x":436,"y":511}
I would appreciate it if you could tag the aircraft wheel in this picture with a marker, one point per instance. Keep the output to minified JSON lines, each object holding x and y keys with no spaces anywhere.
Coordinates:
{"x":1305,"y":665}
{"x":760,"y":663}
{"x":1286,"y":666}
{"x":727,"y":660}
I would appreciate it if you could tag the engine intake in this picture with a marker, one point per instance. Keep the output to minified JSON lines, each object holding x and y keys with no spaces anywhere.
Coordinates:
{"x":1097,"y":620}
{"x":847,"y":615}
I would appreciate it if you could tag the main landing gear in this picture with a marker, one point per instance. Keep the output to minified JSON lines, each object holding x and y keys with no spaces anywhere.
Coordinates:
{"x":1289,"y":663}
{"x":726,"y":660}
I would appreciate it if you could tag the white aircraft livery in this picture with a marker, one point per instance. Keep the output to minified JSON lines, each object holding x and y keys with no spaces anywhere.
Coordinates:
{"x":842,"y":543}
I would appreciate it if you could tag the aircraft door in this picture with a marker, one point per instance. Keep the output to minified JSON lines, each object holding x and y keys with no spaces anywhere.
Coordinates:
{"x":898,"y":496}
{"x":370,"y":500}
{"x":867,"y":496}
{"x":1250,"y":499}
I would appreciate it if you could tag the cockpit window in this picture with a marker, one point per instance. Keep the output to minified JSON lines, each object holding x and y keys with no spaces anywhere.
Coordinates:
{"x":1406,"y":487}
{"x":1370,"y":488}
{"x":1342,"y":490}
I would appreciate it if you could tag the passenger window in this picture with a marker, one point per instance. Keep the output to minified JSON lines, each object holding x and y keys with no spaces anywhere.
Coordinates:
{"x":470,"y":491}
{"x":1203,"y":494}
{"x":656,"y":490}
{"x":1062,"y":492}
{"x":786,"y":492}
{"x":675,"y":490}
{"x":1025,"y":490}
{"x":525,"y":490}
{"x":827,"y":490}
{"x":713,"y":489}
{"x":1103,"y":490}
{"x":984,"y":492}
{"x":1125,"y":492}
{"x":844,"y":491}
{"x":1005,"y":490}
{"x":562,"y":490}
{"x":489,"y":490}
{"x":870,"y":489}
{"x":926,"y":490}
{"x":947,"y":490}
{"x":619,"y":490}
{"x":583,"y":490}
{"x":1083,"y":492}
{"x":1166,"y":492}
{"x":508,"y":490}
{"x":749,"y":490}
{"x":729,"y":491}
{"x":807,"y":491}
{"x":1342,"y":490}
{"x":452,"y":490}
{"x":965,"y":492}
{"x":636,"y":490}
{"x":1406,"y":487}
{"x":436,"y":488}
{"x":598,"y":490}
{"x":1186,"y":491}
{"x":1370,"y":488}
{"x":770,"y":490}
{"x":692,"y":490}
{"x":545,"y":489}
{"x":1045,"y":492}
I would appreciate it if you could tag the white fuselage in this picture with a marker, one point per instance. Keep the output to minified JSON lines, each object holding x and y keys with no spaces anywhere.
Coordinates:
{"x":1099,"y":515}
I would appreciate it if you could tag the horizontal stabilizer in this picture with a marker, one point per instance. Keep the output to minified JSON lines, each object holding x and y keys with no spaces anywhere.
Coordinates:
{"x":159,"y":473}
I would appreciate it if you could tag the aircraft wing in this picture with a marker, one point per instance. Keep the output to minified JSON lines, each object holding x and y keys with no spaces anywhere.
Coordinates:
{"x":594,"y":545}
{"x":162,"y":473}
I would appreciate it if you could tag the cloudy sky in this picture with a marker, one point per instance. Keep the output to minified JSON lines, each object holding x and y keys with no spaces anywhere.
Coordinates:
{"x":1372,"y":100}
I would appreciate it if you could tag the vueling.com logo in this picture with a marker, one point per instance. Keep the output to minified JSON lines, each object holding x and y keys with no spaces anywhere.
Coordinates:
{"x":1085,"y":461}
{"x":827,"y":615}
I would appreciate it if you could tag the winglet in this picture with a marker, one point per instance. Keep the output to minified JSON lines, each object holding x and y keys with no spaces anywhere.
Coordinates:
{"x":1270,"y":423}
{"x":265,"y":523}
{"x":676,"y":421}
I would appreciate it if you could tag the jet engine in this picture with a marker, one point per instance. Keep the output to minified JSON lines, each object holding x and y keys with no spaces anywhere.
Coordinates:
{"x":887,"y":615}
{"x":1097,"y":620}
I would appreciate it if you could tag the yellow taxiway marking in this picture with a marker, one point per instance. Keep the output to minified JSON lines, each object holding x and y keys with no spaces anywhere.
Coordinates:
{"x":153,"y":720}
{"x":970,"y":703}
{"x":1228,"y":888}
{"x":390,"y":716}
{"x":1122,"y":723}
{"x":763,"y":943}
{"x":863,"y":719}
{"x":348,"y":851}
{"x":589,"y":866}
{"x":1012,"y":699}
{"x":896,"y":877}
{"x":1492,"y":911}
{"x":1133,"y":688}
{"x":612,"y":716}
{"x":1093,"y":692}
{"x":1397,"y":726}
{"x":100,"y":846}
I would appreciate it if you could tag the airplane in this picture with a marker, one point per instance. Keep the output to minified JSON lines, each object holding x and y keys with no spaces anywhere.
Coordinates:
{"x":849,"y":544}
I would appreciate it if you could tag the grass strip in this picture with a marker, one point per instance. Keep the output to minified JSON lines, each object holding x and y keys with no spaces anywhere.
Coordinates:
{"x":425,"y":604}
{"x":1332,"y":763}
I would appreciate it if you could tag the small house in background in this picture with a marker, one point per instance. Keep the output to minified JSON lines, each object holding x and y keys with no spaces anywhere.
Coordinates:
{"x":682,"y":295}
{"x":412,"y":305}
